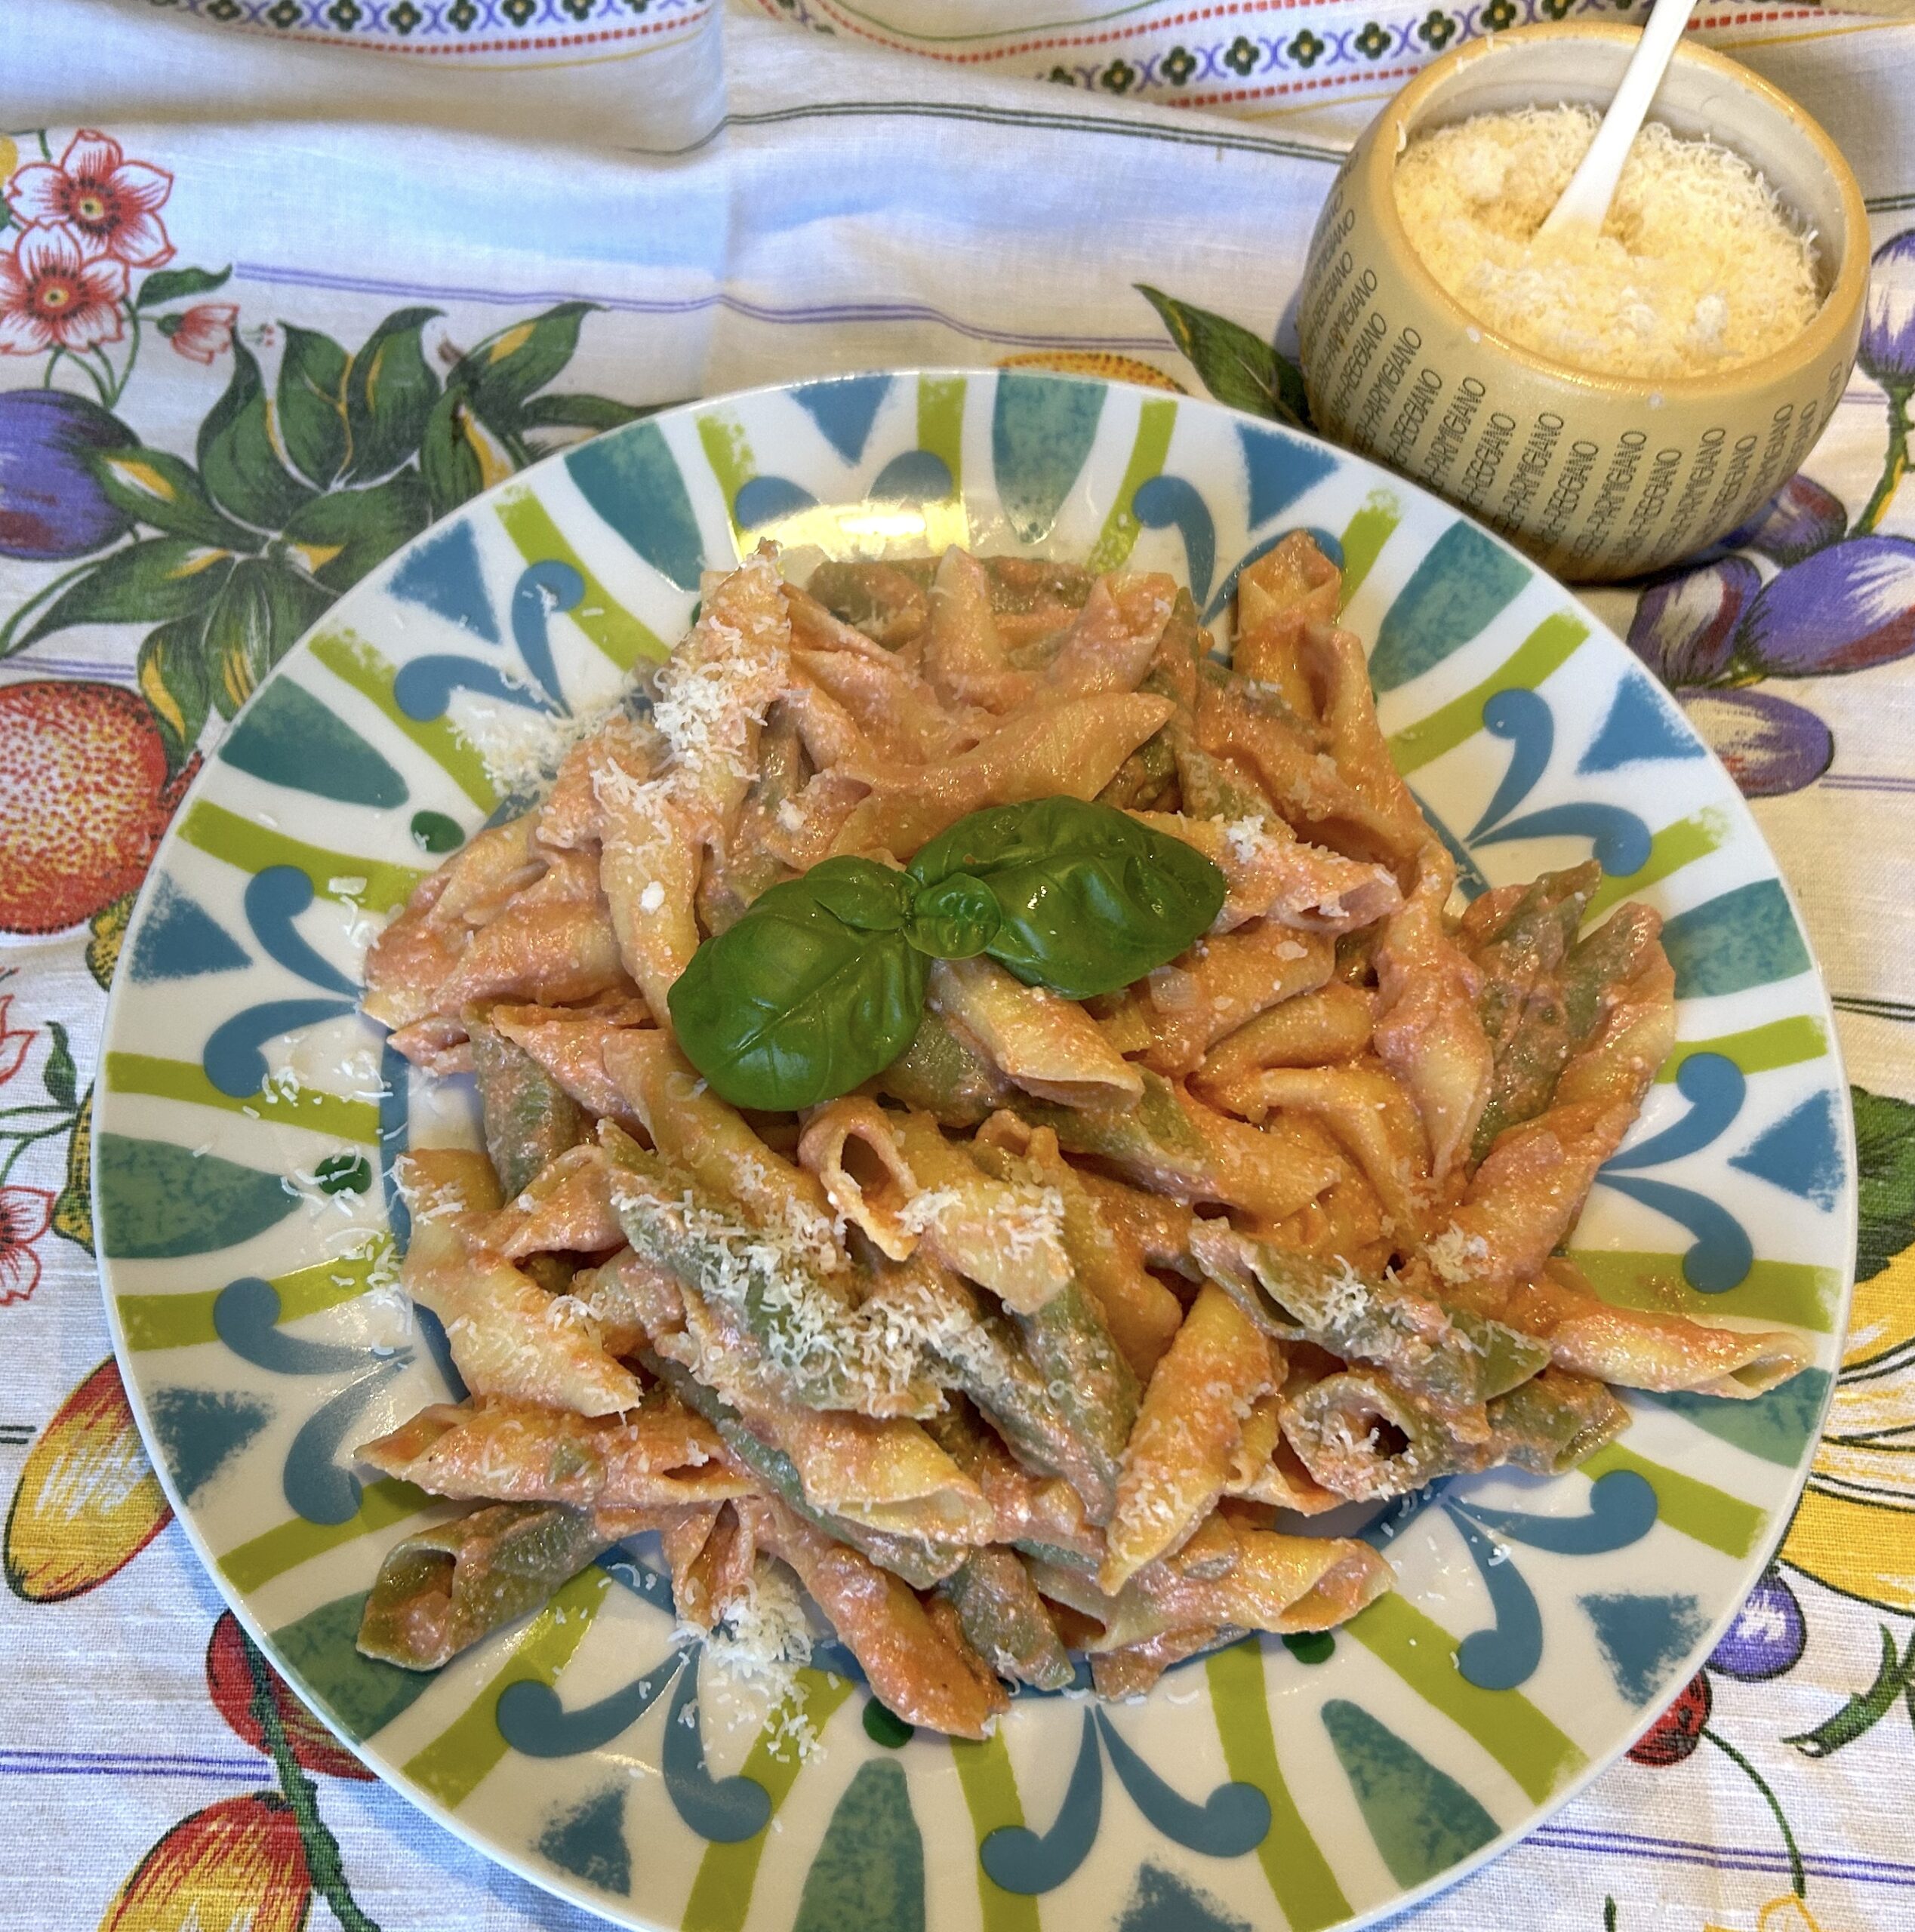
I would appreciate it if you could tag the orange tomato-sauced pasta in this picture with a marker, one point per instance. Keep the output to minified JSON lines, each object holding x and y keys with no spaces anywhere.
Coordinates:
{"x":1051,"y":1338}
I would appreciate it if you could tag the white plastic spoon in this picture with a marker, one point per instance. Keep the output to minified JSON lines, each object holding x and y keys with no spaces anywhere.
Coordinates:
{"x":1585,"y":202}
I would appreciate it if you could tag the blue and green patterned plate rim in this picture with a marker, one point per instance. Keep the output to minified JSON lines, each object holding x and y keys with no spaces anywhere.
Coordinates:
{"x":249,"y":1120}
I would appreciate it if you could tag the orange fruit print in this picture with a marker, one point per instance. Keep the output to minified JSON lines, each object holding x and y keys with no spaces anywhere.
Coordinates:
{"x":85,"y":797}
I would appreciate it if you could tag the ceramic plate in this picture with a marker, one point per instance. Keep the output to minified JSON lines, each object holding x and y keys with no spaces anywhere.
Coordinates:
{"x":249,"y":1120}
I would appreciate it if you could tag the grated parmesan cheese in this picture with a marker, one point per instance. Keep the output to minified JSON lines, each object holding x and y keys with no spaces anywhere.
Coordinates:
{"x":1699,"y":267}
{"x":1346,"y":1298}
{"x":1249,"y":839}
{"x":763,"y":1642}
{"x":1034,"y":1224}
{"x":521,"y":746}
{"x":923,"y":1209}
{"x":1455,"y":1254}
{"x":880,"y":1346}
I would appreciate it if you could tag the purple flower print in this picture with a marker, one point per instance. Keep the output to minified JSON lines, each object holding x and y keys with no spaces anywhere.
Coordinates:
{"x":1767,"y":1637}
{"x":1799,"y":519}
{"x":1770,"y":744}
{"x":1844,"y":609}
{"x":1685,"y":626}
{"x":1887,"y":350}
{"x":51,"y":504}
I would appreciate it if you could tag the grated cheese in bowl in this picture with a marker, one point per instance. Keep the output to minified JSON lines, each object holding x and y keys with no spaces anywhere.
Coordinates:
{"x":1698,"y":269}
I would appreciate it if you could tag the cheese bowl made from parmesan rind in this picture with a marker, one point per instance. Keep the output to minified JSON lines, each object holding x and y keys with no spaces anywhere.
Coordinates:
{"x":1597,"y":476}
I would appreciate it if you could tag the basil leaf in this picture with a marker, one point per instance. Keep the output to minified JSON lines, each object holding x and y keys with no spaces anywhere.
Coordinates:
{"x":867,"y":896}
{"x":956,"y":918}
{"x":792,"y":1005}
{"x":1090,"y":899}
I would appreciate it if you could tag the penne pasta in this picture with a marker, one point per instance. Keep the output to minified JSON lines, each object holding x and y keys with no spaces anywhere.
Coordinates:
{"x":1003,"y":1231}
{"x":567,"y":1206}
{"x":1222,"y":983}
{"x":1426,"y":1031}
{"x":1641,"y":1349}
{"x":1048,"y":1046}
{"x":1367,"y":1112}
{"x":1072,"y":749}
{"x":852,"y":1148}
{"x":1315,"y":1028}
{"x":440,"y":1590}
{"x":1034,"y":1342}
{"x":919,"y":1666}
{"x":1005,"y":1620}
{"x":1273,"y":875}
{"x":1179,"y":1457}
{"x":658,"y":1454}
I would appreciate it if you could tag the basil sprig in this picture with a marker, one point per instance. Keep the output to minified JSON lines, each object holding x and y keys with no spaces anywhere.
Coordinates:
{"x":821,"y":984}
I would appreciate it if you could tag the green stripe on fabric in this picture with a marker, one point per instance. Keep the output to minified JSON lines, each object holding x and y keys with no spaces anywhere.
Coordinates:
{"x":354,"y":662}
{"x":990,"y":1794}
{"x":253,"y":849}
{"x":1791,"y":1291}
{"x":1364,"y":536}
{"x":186,"y":1321}
{"x":729,"y":455}
{"x":185,"y":1080}
{"x":1760,"y":1050}
{"x":452,"y":1767}
{"x":1697,"y":1509}
{"x":598,"y":613}
{"x":1423,"y":1653}
{"x":1118,"y":538}
{"x":1672,"y":848}
{"x":1546,"y":650}
{"x":277,"y":1550}
{"x":721,"y":1894}
{"x":1300,"y":1875}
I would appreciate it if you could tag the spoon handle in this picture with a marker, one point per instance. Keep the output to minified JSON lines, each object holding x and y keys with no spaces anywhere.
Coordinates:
{"x":1585,"y":201}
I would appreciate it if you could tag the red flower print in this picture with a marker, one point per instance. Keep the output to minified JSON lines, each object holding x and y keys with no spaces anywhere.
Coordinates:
{"x":14,"y":1041}
{"x":204,"y":331}
{"x":104,"y":200}
{"x":238,"y":1862}
{"x":53,"y":294}
{"x":229,"y":1665}
{"x":25,"y":1215}
{"x":1675,"y":1735}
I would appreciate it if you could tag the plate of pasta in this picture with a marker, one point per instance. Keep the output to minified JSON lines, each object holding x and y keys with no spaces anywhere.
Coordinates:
{"x":973,"y":1150}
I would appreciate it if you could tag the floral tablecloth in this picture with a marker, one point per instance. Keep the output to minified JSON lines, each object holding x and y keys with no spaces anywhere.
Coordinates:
{"x":536,"y":219}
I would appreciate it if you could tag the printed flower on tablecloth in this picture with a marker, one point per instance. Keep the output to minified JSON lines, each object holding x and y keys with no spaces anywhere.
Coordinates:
{"x":1787,"y":1914}
{"x":104,"y":202}
{"x":80,"y":224}
{"x":238,"y":1862}
{"x":1841,"y":598}
{"x":235,"y":1670}
{"x":1854,"y":1531}
{"x":255,"y":1861}
{"x":55,"y":294}
{"x":203,"y":331}
{"x":25,"y":1213}
{"x":14,"y":1041}
{"x":52,"y":508}
{"x":306,"y":478}
{"x":87,"y":1501}
{"x":1766,"y":1640}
